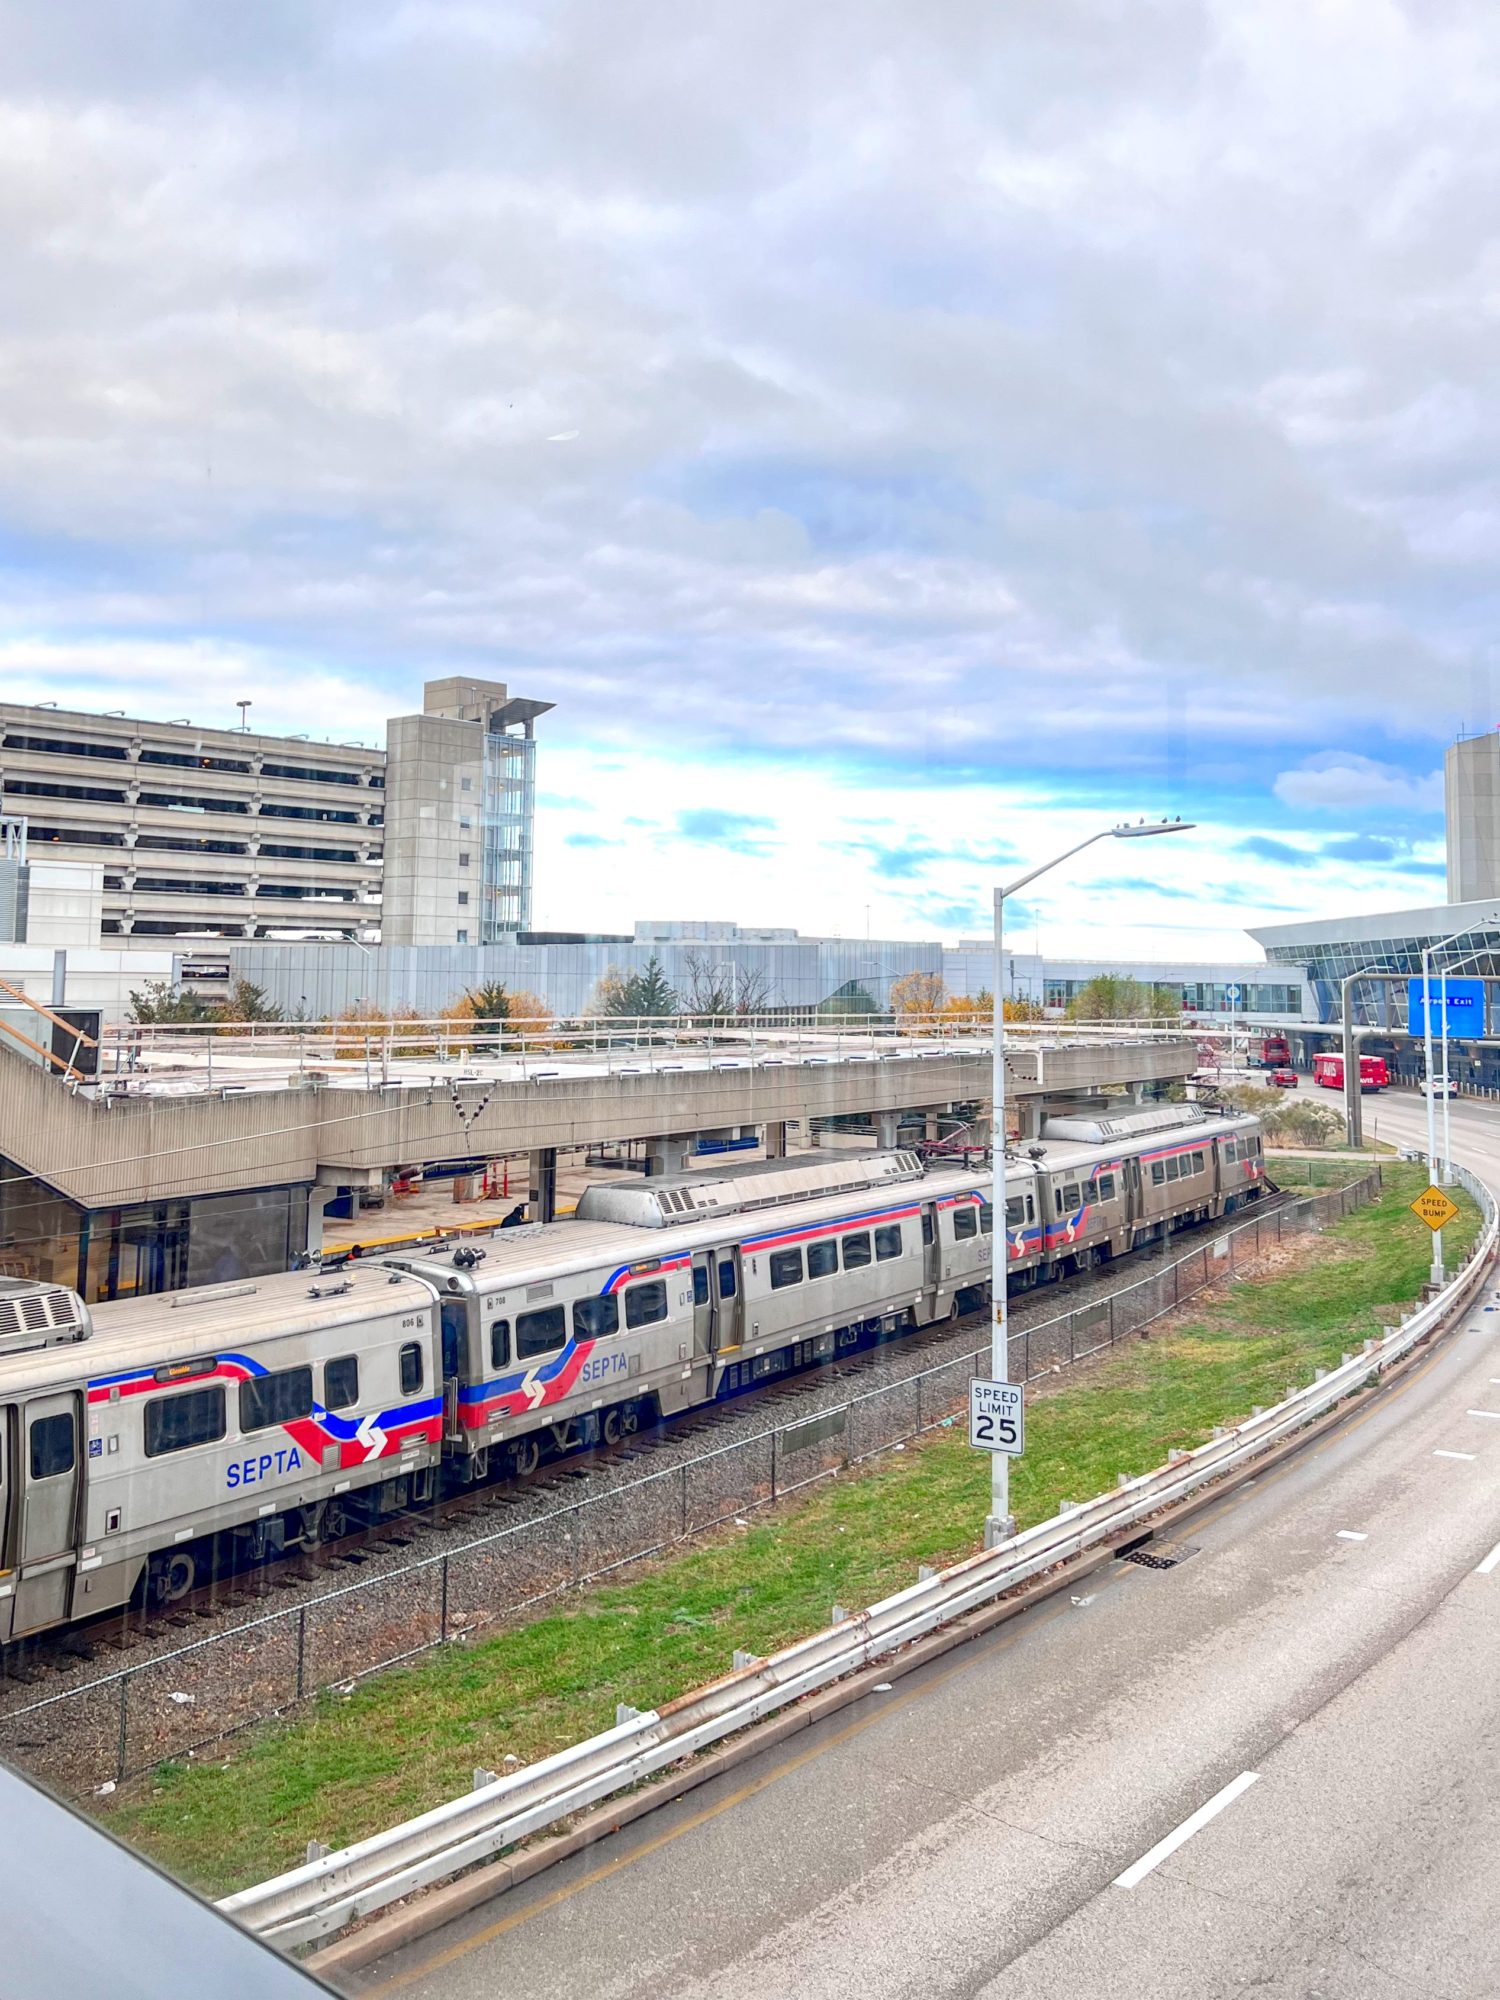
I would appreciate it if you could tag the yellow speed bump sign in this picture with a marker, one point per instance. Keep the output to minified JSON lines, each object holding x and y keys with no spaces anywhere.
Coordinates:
{"x":1434,"y":1208}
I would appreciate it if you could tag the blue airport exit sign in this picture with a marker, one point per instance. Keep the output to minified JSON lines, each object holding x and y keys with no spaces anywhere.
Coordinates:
{"x":1465,"y":1008}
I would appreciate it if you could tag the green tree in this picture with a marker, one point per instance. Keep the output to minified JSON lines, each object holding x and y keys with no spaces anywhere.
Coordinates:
{"x":161,"y":1004}
{"x":1114,"y":996}
{"x":650,"y":992}
{"x":245,"y":1001}
{"x":489,"y":1006}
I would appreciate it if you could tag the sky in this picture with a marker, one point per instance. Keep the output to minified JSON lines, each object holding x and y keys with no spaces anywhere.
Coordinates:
{"x":900,"y":440}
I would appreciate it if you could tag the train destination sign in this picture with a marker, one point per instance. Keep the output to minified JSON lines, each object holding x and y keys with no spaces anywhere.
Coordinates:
{"x":997,"y":1417}
{"x":1434,"y":1208}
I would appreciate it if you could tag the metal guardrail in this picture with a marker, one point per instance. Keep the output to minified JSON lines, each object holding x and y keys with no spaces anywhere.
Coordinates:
{"x":327,"y":1894}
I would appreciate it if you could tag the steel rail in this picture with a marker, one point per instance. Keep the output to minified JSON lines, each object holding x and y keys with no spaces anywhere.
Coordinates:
{"x":328,"y":1893}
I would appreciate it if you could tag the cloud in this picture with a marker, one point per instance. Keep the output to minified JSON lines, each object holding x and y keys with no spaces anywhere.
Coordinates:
{"x":588,"y":840}
{"x":1343,"y":781}
{"x":1262,"y":848}
{"x":1361,"y":847}
{"x":858,"y":464}
{"x":711,"y":827}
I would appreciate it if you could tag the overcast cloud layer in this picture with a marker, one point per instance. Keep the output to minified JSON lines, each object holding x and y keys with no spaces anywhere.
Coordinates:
{"x":908,"y":433}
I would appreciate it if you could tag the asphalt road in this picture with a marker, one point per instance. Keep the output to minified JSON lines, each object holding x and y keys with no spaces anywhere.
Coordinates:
{"x":1324,"y":1664}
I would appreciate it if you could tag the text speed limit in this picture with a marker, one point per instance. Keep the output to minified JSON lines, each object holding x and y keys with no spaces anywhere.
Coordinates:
{"x":997,"y":1420}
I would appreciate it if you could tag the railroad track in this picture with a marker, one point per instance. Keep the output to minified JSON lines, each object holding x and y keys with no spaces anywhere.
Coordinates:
{"x":109,"y":1639}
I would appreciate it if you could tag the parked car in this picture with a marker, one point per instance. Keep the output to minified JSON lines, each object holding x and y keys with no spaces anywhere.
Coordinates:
{"x":1285,"y":1079}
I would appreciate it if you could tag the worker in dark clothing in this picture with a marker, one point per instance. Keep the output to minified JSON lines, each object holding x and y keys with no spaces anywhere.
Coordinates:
{"x":516,"y":1217}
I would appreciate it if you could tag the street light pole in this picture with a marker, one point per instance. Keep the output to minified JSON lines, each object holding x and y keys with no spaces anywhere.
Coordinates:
{"x":1486,"y":923}
{"x":1000,"y":1524}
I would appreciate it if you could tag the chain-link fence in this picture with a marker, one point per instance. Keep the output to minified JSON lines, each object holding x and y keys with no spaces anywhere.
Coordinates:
{"x":128,"y":1721}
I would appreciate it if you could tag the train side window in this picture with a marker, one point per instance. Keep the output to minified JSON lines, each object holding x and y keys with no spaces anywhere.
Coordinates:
{"x":1174,"y":1168}
{"x":1158,"y":1172}
{"x":1104,"y":1188}
{"x":341,"y":1382}
{"x":927,"y":1229}
{"x":1072,"y":1196}
{"x":499,"y":1342}
{"x":786,"y":1269}
{"x":965,"y":1224}
{"x":987,"y":1220}
{"x":888,"y":1241}
{"x":593,"y":1319}
{"x":822,"y":1259}
{"x":727,"y":1283}
{"x":1015,"y":1212}
{"x":281,"y":1398}
{"x":1197,"y":1163}
{"x":1091,"y":1191}
{"x":700,"y":1284}
{"x":411,"y":1368}
{"x":857,"y":1250}
{"x":174,"y":1423}
{"x":455,"y":1333}
{"x":52,"y":1445}
{"x":539,"y":1332}
{"x":1030,"y":1208}
{"x":646,"y":1304}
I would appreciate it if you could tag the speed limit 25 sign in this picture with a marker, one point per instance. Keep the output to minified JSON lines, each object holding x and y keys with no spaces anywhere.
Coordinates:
{"x":997,"y":1419}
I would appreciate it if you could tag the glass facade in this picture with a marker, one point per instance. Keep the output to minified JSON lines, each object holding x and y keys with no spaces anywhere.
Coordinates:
{"x":152,"y":1246}
{"x":1328,"y":962}
{"x":1197,"y":996}
{"x":505,"y":833}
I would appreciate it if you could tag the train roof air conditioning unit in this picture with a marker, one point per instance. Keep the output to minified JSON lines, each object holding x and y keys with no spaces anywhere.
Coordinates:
{"x":34,"y":1314}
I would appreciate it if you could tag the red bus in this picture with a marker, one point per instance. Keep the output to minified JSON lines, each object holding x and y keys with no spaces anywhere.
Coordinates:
{"x":1271,"y":1052}
{"x":1329,"y":1071}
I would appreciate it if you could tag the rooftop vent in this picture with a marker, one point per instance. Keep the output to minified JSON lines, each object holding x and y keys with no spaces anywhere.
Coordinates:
{"x":34,"y":1314}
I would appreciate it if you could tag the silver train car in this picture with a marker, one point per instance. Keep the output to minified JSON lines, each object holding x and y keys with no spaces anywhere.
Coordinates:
{"x":160,"y":1440}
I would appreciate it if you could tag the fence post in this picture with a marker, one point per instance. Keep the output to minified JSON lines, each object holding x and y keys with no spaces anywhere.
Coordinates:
{"x":918,"y":1430}
{"x":443,"y":1613}
{"x":124,"y":1725}
{"x":301,"y":1652}
{"x":775,"y":1439}
{"x":682,"y":1531}
{"x":1111,"y":1319}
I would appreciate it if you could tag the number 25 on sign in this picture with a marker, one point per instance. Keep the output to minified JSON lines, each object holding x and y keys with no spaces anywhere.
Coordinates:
{"x":1434,"y":1207}
{"x":997,"y":1417}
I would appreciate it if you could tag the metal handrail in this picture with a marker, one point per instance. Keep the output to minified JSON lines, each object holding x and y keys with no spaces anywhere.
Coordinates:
{"x":324,"y":1895}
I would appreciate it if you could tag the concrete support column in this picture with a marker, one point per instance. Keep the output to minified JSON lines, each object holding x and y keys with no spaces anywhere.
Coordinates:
{"x":930,"y":1130}
{"x":667,"y":1154}
{"x":774,"y":1138}
{"x":542,"y":1186}
{"x":886,"y":1124}
{"x":318,"y":1199}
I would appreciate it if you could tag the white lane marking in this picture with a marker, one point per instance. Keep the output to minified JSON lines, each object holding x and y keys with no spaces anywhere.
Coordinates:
{"x":1491,"y":1561}
{"x":1349,"y":1535}
{"x":1453,"y":1454}
{"x":1194,"y":1823}
{"x":1486,"y":1413}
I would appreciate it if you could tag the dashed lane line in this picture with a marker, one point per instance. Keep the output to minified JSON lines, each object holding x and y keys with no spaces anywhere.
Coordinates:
{"x":1194,"y":1823}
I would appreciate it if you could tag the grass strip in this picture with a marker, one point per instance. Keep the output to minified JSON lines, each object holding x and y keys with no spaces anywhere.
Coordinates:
{"x":405,"y":1740}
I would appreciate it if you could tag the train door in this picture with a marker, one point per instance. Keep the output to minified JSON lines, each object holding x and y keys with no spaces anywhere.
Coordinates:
{"x":703,"y":1302}
{"x":728,"y":1278}
{"x":45,"y":1470}
{"x":932,"y":1256}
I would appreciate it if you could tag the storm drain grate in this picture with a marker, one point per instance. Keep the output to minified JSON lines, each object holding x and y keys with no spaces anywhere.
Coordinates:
{"x":1161,"y":1555}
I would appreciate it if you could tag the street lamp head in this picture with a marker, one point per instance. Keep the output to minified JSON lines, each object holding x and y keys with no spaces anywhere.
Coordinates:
{"x":1144,"y":829}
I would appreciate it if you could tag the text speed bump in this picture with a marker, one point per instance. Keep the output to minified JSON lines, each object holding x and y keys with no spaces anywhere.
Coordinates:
{"x":997,"y":1418}
{"x":1434,"y":1207}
